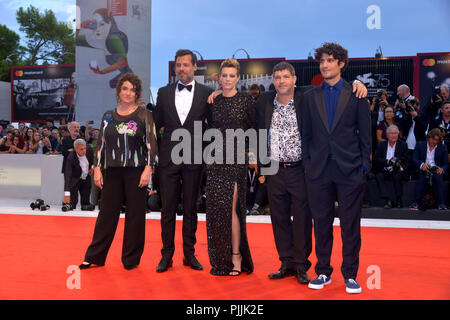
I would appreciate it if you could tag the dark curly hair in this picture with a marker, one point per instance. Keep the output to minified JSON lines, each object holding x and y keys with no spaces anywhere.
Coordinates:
{"x":335,"y":50}
{"x":135,"y":81}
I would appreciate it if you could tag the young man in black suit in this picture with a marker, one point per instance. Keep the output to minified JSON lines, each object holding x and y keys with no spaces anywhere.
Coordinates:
{"x":77,"y":176}
{"x":336,"y":146}
{"x":179,"y":106}
{"x":431,"y":157}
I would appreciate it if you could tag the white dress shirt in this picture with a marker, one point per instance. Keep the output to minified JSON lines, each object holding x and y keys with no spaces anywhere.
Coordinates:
{"x":183,"y":101}
{"x":390,"y":151}
{"x":84,"y":164}
{"x":430,"y":156}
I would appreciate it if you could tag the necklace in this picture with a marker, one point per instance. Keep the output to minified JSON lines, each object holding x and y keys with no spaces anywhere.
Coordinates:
{"x":129,"y":111}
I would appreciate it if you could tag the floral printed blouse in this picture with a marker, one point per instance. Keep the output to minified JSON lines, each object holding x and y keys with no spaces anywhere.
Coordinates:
{"x":126,"y":141}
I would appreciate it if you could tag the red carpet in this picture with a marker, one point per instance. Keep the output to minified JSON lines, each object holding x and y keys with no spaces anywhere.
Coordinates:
{"x":37,"y":250}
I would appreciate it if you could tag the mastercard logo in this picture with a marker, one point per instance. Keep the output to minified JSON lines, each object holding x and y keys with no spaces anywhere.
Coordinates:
{"x":19,"y":73}
{"x":429,"y":62}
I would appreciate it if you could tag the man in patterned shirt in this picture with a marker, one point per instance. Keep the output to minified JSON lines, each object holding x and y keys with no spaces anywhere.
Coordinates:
{"x":279,"y":113}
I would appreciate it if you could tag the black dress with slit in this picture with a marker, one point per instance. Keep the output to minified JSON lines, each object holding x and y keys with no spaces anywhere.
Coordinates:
{"x":236,"y":112}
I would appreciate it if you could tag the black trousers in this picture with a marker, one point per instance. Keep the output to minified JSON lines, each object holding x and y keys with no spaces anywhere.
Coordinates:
{"x":322,"y":194}
{"x":438,"y":188}
{"x":120,"y":183}
{"x":288,"y":198}
{"x":173,"y":179}
{"x":396,"y":177}
{"x":84,"y":187}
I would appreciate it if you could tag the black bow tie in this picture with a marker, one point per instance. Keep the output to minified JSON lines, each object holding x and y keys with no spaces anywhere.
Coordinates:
{"x":182,"y":86}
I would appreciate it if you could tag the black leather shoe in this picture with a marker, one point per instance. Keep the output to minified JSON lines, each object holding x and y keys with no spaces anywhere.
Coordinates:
{"x":88,"y":207}
{"x":283,"y":273}
{"x":84,"y":266}
{"x":164,"y":264}
{"x":130,"y":266}
{"x":388,"y":204}
{"x":302,"y":277}
{"x":192,"y":262}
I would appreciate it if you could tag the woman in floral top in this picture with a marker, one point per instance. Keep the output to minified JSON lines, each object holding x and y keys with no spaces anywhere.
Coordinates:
{"x":126,"y":150}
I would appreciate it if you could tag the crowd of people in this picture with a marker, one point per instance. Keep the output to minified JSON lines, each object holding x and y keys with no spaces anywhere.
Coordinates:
{"x":319,"y":137}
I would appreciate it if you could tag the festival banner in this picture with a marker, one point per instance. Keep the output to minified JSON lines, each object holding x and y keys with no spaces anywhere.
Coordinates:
{"x":113,"y":37}
{"x":434,"y":71}
{"x":375,"y":73}
{"x":42,"y":92}
{"x":253,"y":71}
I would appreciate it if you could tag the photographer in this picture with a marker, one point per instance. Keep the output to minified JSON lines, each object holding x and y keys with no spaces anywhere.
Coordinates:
{"x":443,"y":123}
{"x":404,"y":95}
{"x":440,"y":94}
{"x":379,"y":102}
{"x":432,"y":159}
{"x":390,"y":159}
{"x":414,"y":126}
{"x":79,"y":168}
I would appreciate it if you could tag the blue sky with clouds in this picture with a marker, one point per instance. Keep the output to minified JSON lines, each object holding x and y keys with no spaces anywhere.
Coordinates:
{"x":281,"y":28}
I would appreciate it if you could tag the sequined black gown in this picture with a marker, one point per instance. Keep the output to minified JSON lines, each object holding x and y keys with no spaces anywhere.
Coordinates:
{"x":237,"y":112}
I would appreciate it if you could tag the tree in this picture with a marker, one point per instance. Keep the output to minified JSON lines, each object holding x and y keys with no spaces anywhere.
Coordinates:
{"x":48,"y":41}
{"x":10,"y":52}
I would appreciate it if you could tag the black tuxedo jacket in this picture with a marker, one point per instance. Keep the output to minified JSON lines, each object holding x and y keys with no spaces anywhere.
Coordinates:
{"x":349,"y":139}
{"x":72,"y":172}
{"x":265,"y":107}
{"x":166,"y":116}
{"x":401,"y":153}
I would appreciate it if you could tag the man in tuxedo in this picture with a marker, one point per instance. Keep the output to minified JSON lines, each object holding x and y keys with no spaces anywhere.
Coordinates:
{"x":336,"y":146}
{"x":179,"y":106}
{"x":389,"y":163}
{"x":431,"y":157}
{"x":79,"y":168}
{"x":280,"y":113}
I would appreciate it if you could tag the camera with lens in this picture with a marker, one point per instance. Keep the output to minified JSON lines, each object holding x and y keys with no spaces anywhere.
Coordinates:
{"x":378,"y":97}
{"x":39,"y":204}
{"x":436,"y":97}
{"x":395,"y":164}
{"x":410,"y":108}
{"x":429,"y":174}
{"x":66,"y":207}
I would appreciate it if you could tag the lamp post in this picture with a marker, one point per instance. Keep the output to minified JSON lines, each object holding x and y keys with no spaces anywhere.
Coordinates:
{"x":241,"y":49}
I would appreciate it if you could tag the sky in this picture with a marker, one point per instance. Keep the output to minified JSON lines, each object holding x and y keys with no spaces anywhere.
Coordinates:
{"x":281,"y":28}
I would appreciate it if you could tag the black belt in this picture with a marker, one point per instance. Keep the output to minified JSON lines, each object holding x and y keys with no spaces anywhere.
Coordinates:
{"x":290,"y":164}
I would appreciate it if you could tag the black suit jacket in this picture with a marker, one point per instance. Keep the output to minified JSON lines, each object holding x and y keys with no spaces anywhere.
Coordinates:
{"x":265,"y":107}
{"x":401,"y":153}
{"x":349,"y":139}
{"x":440,"y":155}
{"x":419,"y":128}
{"x":66,"y":144}
{"x":72,"y":172}
{"x":166,"y":116}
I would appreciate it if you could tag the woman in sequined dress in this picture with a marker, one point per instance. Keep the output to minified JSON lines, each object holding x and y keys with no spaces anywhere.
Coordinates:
{"x":228,"y":247}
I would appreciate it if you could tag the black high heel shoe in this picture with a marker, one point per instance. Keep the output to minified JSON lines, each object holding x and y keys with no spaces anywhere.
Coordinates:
{"x":235,"y":273}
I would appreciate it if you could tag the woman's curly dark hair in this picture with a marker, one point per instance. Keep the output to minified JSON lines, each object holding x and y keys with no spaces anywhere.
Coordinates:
{"x":135,"y":81}
{"x":335,"y":50}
